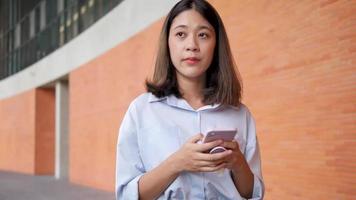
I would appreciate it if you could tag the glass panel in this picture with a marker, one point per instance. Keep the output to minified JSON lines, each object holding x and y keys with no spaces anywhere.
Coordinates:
{"x":47,"y":25}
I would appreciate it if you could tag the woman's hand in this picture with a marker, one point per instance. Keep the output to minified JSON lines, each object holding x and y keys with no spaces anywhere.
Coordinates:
{"x":236,"y":160}
{"x":241,"y":172}
{"x":191,"y":156}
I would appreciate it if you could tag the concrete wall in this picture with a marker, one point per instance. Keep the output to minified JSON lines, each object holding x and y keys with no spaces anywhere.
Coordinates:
{"x":122,"y":22}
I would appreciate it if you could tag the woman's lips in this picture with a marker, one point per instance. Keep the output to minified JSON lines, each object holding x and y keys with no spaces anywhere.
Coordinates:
{"x":191,"y":60}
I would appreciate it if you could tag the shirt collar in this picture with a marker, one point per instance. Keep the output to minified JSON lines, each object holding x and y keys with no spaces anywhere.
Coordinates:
{"x":152,"y":98}
{"x":173,"y":101}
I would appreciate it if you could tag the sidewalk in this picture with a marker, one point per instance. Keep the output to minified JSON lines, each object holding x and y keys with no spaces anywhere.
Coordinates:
{"x":15,"y":186}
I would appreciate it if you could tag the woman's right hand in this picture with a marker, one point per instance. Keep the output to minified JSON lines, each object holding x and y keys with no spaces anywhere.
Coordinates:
{"x":191,"y":157}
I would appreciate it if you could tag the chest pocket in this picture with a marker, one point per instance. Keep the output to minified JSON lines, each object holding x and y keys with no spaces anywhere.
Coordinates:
{"x":157,"y":143}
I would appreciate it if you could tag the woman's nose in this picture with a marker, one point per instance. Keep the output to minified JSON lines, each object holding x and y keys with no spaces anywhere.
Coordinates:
{"x":192,"y":44}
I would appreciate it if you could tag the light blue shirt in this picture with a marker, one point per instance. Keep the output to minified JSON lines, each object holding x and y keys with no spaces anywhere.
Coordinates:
{"x":154,"y":128}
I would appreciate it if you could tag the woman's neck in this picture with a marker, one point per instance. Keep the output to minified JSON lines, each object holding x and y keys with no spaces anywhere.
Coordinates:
{"x":192,"y":91}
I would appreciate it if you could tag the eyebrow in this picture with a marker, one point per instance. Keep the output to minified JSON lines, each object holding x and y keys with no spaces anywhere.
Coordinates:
{"x":199,"y":27}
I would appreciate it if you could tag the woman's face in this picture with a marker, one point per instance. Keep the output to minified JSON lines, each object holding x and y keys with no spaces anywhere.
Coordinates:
{"x":191,"y":44}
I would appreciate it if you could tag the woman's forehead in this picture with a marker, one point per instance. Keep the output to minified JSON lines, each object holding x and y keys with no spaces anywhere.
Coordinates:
{"x":191,"y":19}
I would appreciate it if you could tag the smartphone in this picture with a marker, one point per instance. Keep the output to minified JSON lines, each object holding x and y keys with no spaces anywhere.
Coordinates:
{"x":225,"y":135}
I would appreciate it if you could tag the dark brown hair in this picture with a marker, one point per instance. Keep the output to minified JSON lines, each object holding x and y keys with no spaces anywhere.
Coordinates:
{"x":223,"y":83}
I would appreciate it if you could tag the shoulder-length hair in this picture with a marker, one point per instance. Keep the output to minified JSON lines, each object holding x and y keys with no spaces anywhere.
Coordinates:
{"x":223,"y":83}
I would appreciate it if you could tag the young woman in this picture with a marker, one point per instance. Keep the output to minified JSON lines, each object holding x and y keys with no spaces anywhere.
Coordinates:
{"x":194,"y":89}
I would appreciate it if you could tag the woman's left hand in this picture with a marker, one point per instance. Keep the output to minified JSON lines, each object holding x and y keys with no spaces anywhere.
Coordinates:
{"x":236,"y":161}
{"x":241,"y":172}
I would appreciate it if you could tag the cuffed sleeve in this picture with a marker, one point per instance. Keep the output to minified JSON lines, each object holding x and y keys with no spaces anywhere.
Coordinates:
{"x":258,"y":188}
{"x":129,"y":167}
{"x":253,"y":158}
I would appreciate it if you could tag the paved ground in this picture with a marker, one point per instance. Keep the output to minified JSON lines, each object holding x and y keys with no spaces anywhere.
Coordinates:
{"x":15,"y":186}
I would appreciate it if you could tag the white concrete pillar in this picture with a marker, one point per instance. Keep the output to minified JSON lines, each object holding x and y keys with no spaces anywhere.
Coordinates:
{"x":62,"y":130}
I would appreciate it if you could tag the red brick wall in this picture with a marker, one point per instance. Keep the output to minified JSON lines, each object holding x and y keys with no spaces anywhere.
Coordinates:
{"x":27,"y":132}
{"x":17,"y":133}
{"x":100,"y":92}
{"x":298,"y":63}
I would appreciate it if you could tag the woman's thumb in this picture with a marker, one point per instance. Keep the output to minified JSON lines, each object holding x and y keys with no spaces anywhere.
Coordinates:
{"x":195,"y":138}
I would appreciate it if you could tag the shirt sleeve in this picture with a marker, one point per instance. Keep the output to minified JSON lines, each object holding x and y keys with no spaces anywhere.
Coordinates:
{"x":253,"y":158}
{"x":129,"y":166}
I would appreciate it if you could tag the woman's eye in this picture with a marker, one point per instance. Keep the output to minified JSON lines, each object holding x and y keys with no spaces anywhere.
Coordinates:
{"x":180,"y":34}
{"x":203,"y":35}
